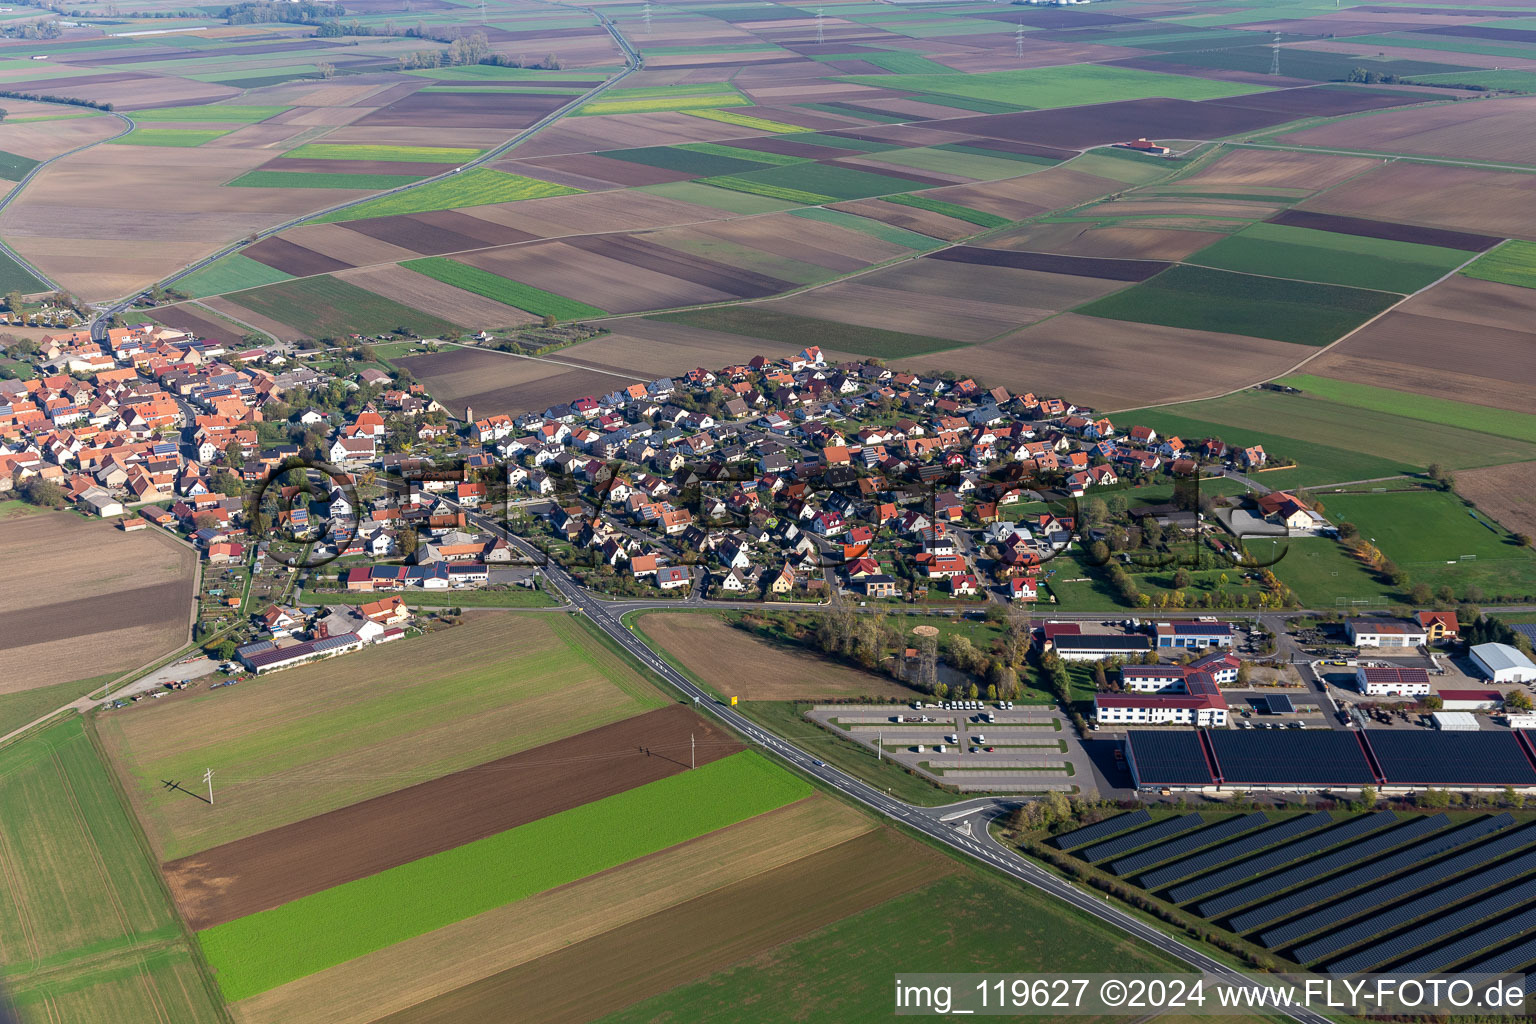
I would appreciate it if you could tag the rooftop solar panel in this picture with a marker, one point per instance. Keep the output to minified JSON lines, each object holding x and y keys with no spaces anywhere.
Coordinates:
{"x":1451,"y":758}
{"x":1168,"y":758}
{"x":1316,"y":758}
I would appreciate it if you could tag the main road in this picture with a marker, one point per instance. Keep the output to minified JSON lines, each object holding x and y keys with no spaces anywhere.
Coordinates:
{"x":943,"y":824}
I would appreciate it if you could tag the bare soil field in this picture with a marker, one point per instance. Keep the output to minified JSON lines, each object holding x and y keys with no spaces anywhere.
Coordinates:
{"x":320,"y":737}
{"x":1017,"y":198}
{"x":592,"y":277}
{"x":187,"y":317}
{"x":418,"y":969}
{"x":640,"y":253}
{"x":1196,"y":210}
{"x":283,"y":864}
{"x":1314,"y":171}
{"x":1087,"y":357}
{"x":1493,"y":129}
{"x":1382,"y":229}
{"x":924,"y":222}
{"x":1409,"y":52}
{"x":594,"y":212}
{"x":340,"y":242}
{"x":741,"y":664}
{"x":692,"y":939}
{"x":281,"y":331}
{"x":281,"y":254}
{"x":83,"y":599}
{"x":496,"y":382}
{"x":464,"y":110}
{"x":827,"y":245}
{"x":1462,"y":199}
{"x":648,"y":349}
{"x":1377,"y":359}
{"x":1114,"y":240}
{"x":623,"y":131}
{"x":436,"y":298}
{"x":1507,"y":493}
{"x":43,"y":139}
{"x":1098,"y":268}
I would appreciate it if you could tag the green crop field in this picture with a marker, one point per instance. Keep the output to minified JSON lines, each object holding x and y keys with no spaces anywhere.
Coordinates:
{"x":978,"y":217}
{"x":1514,"y":262}
{"x":231,"y":273}
{"x":1330,"y":257}
{"x":1428,"y":532}
{"x":657,"y":104}
{"x":400,"y":154}
{"x":735,"y":183}
{"x":1064,"y":86}
{"x":267,"y":949}
{"x":1262,"y":307}
{"x":755,"y":322}
{"x":14,"y":167}
{"x":174,"y":137}
{"x":213,"y":113}
{"x":476,"y":187}
{"x":825,"y":180}
{"x":1301,"y":63}
{"x":494,"y":286}
{"x":310,"y":179}
{"x":1511,"y":81}
{"x":324,"y":307}
{"x":15,"y":277}
{"x":760,"y":124}
{"x":751,"y":156}
{"x":691,"y":159}
{"x":965,"y":918}
{"x":718,"y":198}
{"x":1499,"y":422}
{"x":972,"y":163}
{"x":81,"y":904}
{"x":865,"y":225}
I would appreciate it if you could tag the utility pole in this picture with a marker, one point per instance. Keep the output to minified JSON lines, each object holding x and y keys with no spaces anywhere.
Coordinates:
{"x":208,"y":778}
{"x":692,"y":760}
{"x":880,"y":745}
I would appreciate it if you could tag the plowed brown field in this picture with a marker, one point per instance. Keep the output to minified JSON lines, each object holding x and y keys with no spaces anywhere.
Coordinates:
{"x":1507,"y":493}
{"x":584,"y":981}
{"x":283,"y":864}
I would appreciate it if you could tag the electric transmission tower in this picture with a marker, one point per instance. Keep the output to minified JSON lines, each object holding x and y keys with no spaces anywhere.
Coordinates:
{"x":645,"y":14}
{"x":1018,"y":41}
{"x":1274,"y":55}
{"x":820,"y":36}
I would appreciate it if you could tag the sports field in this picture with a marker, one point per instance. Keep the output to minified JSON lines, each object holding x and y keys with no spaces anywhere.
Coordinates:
{"x":324,"y":307}
{"x":322,"y":736}
{"x":265,"y":950}
{"x":479,"y":186}
{"x":1260,"y":307}
{"x":493,"y":286}
{"x":86,"y":932}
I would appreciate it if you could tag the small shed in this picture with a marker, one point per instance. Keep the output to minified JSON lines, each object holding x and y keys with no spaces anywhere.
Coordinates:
{"x":1455,"y":721}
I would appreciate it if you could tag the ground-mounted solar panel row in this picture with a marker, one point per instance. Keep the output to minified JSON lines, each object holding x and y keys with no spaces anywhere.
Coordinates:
{"x":1101,"y":829}
{"x":1237,"y":848}
{"x":1476,"y":942}
{"x":1141,"y":837}
{"x":1399,"y":946}
{"x":1511,"y":959}
{"x":1363,"y":875}
{"x":1412,"y":910}
{"x":1354,"y":853}
{"x":1185,"y":844}
{"x":1397,"y":888}
{"x":1280,"y":855}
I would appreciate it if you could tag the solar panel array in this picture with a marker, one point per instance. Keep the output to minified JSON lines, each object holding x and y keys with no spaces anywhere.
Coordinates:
{"x":1279,"y":704}
{"x":1235,"y":849}
{"x":1443,"y":896}
{"x":1451,"y":758}
{"x":1510,"y":960}
{"x":1363,"y":875}
{"x":1185,"y":844}
{"x":1350,"y":830}
{"x":1319,"y":757}
{"x":1168,"y":758}
{"x":1440,"y":927}
{"x":1473,"y":942}
{"x":1141,"y":837}
{"x":1101,"y":829}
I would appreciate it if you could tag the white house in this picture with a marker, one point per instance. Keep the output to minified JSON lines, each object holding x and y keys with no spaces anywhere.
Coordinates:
{"x":1204,"y":710}
{"x":1392,"y":682}
{"x":1386,"y":633}
{"x":1502,"y":663}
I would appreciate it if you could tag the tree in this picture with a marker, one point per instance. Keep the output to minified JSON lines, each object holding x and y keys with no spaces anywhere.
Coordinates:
{"x":1368,"y":797}
{"x":13,"y":301}
{"x":37,"y":491}
{"x":1433,"y":799}
{"x":225,"y":651}
{"x":1517,"y":700}
{"x":1421,"y":593}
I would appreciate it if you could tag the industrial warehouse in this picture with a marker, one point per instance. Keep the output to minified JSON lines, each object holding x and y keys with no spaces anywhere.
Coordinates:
{"x":1393,"y":761}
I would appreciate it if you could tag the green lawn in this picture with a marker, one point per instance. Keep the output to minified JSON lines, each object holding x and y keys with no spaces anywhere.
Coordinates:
{"x":1442,"y":411}
{"x":1514,"y":262}
{"x":1063,"y":86}
{"x":1427,"y":533}
{"x":267,"y":949}
{"x":476,"y":187}
{"x":1262,"y":307}
{"x":1331,"y":258}
{"x":843,"y":972}
{"x":325,"y":307}
{"x":755,"y":322}
{"x":81,"y":902}
{"x":229,"y":274}
{"x":502,"y":289}
{"x":310,"y":179}
{"x":1322,"y":573}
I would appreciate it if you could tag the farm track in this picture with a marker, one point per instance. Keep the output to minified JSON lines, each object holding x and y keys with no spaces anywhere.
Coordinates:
{"x":285,"y":863}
